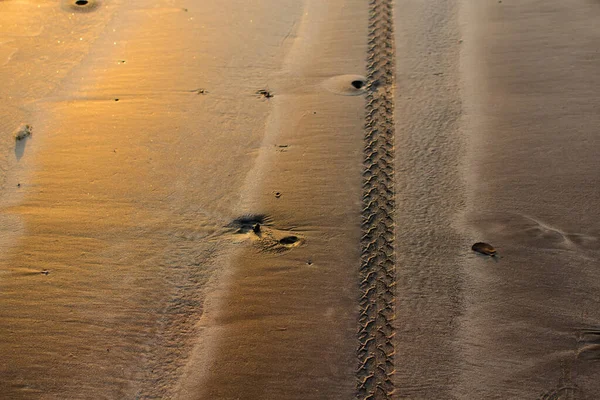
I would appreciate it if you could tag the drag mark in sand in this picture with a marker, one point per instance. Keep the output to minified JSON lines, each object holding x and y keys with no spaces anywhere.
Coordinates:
{"x":377,"y":269}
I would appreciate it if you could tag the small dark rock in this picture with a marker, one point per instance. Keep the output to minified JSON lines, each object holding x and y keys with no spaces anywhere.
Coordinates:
{"x":484,"y":248}
{"x":23,"y":132}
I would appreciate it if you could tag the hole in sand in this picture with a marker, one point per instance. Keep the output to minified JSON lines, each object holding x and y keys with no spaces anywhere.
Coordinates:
{"x":289,"y":240}
{"x":80,"y":6}
{"x":346,"y":85}
{"x":358,"y":84}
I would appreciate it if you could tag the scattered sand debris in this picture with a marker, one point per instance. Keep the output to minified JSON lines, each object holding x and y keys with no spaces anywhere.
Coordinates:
{"x":266,"y":238}
{"x":484,"y":248}
{"x":23,"y":132}
{"x":248,"y":223}
{"x":267,"y":94}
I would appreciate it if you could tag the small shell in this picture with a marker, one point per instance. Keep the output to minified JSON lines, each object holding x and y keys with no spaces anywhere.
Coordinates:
{"x":484,"y":248}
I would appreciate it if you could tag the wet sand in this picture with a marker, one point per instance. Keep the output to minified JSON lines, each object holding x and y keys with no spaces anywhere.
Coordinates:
{"x":192,"y":216}
{"x":531,"y":323}
{"x":282,"y":323}
{"x":429,"y":151}
{"x":142,"y":157}
{"x":497,"y":142}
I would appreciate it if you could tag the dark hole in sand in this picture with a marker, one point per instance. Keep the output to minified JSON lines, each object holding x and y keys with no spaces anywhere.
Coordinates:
{"x":81,"y":6}
{"x":288,"y":240}
{"x":357,"y":84}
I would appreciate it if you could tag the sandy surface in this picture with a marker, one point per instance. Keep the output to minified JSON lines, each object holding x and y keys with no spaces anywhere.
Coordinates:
{"x":168,"y":231}
{"x":131,"y":205}
{"x":531,"y":325}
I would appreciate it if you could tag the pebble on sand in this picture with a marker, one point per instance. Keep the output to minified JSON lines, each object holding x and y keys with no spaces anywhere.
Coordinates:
{"x":23,"y":132}
{"x":484,"y":248}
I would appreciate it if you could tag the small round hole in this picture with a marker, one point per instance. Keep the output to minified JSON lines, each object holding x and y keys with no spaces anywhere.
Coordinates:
{"x":288,"y":240}
{"x":357,"y":84}
{"x":81,"y":6}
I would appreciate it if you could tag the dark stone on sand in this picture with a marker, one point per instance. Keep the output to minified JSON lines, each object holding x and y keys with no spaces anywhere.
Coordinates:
{"x":23,"y":132}
{"x":484,"y":248}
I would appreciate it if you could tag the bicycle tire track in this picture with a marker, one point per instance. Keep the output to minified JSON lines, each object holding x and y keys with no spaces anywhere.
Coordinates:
{"x":377,"y":270}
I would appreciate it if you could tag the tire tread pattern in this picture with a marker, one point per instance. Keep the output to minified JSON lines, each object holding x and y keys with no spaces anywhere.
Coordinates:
{"x":377,"y":270}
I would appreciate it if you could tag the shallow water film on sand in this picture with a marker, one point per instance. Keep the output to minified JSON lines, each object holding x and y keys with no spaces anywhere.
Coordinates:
{"x":299,"y":199}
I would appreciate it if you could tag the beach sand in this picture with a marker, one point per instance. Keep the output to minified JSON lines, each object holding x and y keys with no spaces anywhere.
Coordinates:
{"x":277,"y":199}
{"x":532,"y":177}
